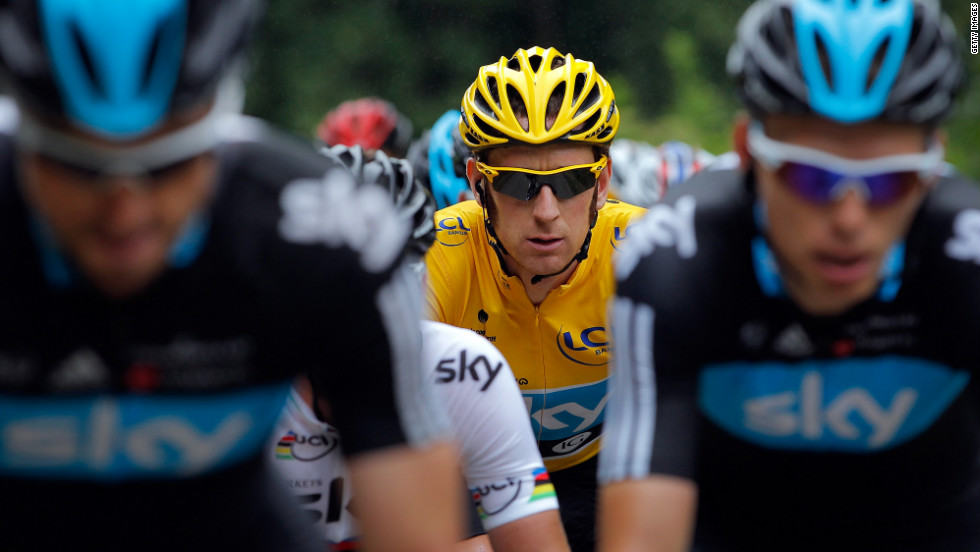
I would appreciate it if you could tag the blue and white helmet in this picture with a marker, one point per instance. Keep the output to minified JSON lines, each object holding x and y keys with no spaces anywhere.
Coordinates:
{"x":848,"y":60}
{"x":439,"y":158}
{"x":120,"y":68}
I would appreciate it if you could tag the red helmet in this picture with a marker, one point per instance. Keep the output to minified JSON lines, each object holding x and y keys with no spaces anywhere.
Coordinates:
{"x":371,"y":123}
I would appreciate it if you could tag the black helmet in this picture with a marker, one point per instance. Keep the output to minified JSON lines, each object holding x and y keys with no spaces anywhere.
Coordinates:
{"x":412,"y":201}
{"x":120,"y":68}
{"x":848,"y":60}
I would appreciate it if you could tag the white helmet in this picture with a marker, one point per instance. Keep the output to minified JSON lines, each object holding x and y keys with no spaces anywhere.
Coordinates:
{"x":642,"y":173}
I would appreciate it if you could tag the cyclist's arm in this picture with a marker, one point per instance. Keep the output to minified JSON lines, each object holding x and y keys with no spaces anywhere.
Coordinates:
{"x":405,"y":496}
{"x":364,"y":328}
{"x":500,"y":458}
{"x":655,"y":514}
{"x":537,"y":532}
{"x":404,"y":500}
{"x":479,"y":543}
{"x":648,"y":497}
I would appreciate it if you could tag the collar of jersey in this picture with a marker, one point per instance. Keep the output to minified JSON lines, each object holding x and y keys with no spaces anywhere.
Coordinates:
{"x":61,"y":274}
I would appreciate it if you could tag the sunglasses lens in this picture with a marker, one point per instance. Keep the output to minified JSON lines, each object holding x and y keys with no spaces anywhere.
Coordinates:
{"x":515,"y":184}
{"x":819,"y":185}
{"x":813,"y":184}
{"x":78,"y":170}
{"x":570,"y":183}
{"x":888,"y":188}
{"x":525,"y":186}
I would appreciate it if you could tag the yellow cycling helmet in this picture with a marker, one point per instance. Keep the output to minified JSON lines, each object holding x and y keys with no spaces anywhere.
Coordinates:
{"x":587,"y":112}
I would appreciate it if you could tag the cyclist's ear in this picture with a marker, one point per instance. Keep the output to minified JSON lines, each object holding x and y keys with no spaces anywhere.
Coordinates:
{"x":476,"y":180}
{"x":740,"y":141}
{"x":602,"y":186}
{"x":939,"y":135}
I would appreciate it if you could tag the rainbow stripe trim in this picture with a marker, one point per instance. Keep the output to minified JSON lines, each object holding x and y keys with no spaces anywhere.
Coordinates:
{"x":284,"y":448}
{"x":542,"y":485}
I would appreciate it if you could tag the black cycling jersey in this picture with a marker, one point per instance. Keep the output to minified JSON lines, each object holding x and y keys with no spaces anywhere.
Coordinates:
{"x":851,"y":432}
{"x":139,"y":423}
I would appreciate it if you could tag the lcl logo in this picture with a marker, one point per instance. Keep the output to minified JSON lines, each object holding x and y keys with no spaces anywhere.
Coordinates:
{"x":452,"y":231}
{"x":620,"y":234}
{"x":588,"y":347}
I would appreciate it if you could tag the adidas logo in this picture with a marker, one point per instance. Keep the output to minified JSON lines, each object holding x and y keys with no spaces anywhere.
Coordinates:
{"x":793,"y":342}
{"x":82,"y":370}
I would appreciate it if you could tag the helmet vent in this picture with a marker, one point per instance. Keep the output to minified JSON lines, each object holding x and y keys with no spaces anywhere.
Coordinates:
{"x":554,"y":105}
{"x":535,"y":62}
{"x":589,"y":101}
{"x":487,"y":129}
{"x":591,"y":121}
{"x":83,"y":52}
{"x":557,"y":62}
{"x":514,"y":64}
{"x":517,"y":104}
{"x":579,"y":85}
{"x":484,"y":107}
{"x":494,"y":91}
{"x":876,"y":63}
{"x":151,"y":60}
{"x":824,"y":60}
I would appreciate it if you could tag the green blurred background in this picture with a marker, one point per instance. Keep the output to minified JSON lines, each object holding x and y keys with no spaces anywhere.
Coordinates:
{"x":664,"y":58}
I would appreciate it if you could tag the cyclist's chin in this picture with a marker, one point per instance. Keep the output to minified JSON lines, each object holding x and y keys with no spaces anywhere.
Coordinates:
{"x":545,"y":263}
{"x":122,"y":267}
{"x":834,"y":291}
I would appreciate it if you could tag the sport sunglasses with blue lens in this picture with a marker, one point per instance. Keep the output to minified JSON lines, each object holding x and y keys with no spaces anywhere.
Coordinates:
{"x":524,"y":184}
{"x":820,"y":177}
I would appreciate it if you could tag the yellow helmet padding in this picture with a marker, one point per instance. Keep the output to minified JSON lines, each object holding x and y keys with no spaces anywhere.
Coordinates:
{"x":588,"y":111}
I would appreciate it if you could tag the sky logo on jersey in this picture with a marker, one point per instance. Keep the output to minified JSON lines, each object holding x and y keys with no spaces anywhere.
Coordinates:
{"x":842,"y":405}
{"x":559,"y":414}
{"x":542,"y":485}
{"x":306,"y":448}
{"x":452,"y":231}
{"x":589,"y":346}
{"x":105,"y":437}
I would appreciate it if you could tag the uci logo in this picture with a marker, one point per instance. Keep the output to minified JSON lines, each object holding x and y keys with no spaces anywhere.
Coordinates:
{"x":588,"y":347}
{"x":620,"y":233}
{"x":452,"y":231}
{"x":305,"y":448}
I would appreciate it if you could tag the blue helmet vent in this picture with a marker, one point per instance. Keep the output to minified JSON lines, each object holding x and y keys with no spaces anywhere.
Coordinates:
{"x":850,"y":53}
{"x":115,"y":63}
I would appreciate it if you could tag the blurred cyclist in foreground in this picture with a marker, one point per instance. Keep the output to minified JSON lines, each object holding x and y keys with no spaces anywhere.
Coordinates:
{"x":792,"y":365}
{"x":165,"y":276}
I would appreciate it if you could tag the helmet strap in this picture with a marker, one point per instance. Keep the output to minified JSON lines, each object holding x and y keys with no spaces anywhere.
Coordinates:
{"x":493,"y":239}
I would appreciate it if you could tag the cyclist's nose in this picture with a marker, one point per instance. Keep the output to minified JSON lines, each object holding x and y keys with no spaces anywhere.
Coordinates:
{"x":849,"y":213}
{"x":545,"y":204}
{"x":125,"y":204}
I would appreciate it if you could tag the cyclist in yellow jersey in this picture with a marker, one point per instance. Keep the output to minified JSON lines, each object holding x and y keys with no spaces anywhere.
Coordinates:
{"x":528,"y":264}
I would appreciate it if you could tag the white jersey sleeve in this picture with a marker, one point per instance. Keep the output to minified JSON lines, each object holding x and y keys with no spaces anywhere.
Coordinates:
{"x":307,"y":455}
{"x":489,"y":423}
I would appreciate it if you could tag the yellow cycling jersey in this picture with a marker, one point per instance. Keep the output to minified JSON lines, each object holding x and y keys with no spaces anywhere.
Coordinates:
{"x":558,"y":350}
